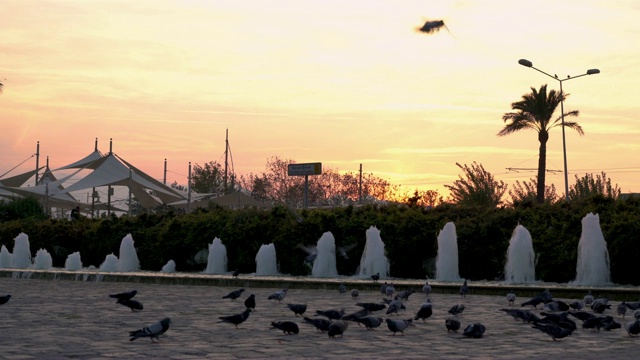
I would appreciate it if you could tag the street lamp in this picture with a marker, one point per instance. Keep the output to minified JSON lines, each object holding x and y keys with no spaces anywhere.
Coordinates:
{"x":529,"y":64}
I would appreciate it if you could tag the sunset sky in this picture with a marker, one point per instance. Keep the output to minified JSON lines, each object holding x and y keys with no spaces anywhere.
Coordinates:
{"x":339,"y":82}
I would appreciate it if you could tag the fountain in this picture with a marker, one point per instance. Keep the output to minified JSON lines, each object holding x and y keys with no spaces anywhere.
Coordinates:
{"x":73,"y":262}
{"x":217,"y":259}
{"x":266,"y":261}
{"x":447,"y":259}
{"x":43,"y":260}
{"x":21,"y":252}
{"x":5,"y":258}
{"x":374,"y":260}
{"x":110,"y":263}
{"x":169,"y":267}
{"x":325,"y":263}
{"x":593,"y":257}
{"x":520,"y":267}
{"x":128,"y":255}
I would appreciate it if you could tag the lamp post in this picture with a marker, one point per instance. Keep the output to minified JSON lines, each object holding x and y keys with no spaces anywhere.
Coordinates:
{"x":529,"y":64}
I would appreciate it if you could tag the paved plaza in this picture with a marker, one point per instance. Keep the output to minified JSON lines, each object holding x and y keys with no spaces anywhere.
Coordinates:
{"x":59,"y":319}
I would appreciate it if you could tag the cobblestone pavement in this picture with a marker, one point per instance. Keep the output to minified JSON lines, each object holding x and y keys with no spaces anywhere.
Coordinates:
{"x":76,"y":319}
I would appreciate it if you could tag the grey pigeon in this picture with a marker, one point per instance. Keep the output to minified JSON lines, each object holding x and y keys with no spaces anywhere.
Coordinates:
{"x":236,"y":272}
{"x":375,"y":277}
{"x":404,"y":295}
{"x":511,"y":297}
{"x":331,"y":314}
{"x":576,"y":305}
{"x":312,"y":253}
{"x":383,"y":288}
{"x":287,"y":327}
{"x":633,"y":305}
{"x":456,"y":309}
{"x":633,"y":327}
{"x":356,"y":315}
{"x":546,"y":296}
{"x":622,"y":309}
{"x":250,"y":302}
{"x":131,"y":304}
{"x":278,"y":295}
{"x":464,"y":289}
{"x":343,"y":250}
{"x":124,"y":295}
{"x":370,"y":322}
{"x":588,"y":299}
{"x":535,"y":301}
{"x":395,"y":306}
{"x":298,"y":309}
{"x":342,"y":288}
{"x":320,"y":324}
{"x":553,"y":330}
{"x":636,"y":314}
{"x":338,"y":328}
{"x":234,"y":294}
{"x":600,"y":305}
{"x":474,"y":331}
{"x":452,"y":324}
{"x":425,"y":311}
{"x":151,"y":331}
{"x":596,"y":322}
{"x":354,"y":294}
{"x":236,"y":319}
{"x":581,"y":315}
{"x":426,"y":288}
{"x":4,"y":299}
{"x":372,"y":306}
{"x":390,"y":290}
{"x":611,"y":325}
{"x":398,"y":325}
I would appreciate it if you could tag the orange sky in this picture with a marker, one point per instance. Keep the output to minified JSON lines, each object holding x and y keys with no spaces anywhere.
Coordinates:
{"x":338,"y":82}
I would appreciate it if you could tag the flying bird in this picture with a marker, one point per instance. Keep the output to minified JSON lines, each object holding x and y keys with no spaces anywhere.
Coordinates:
{"x":298,"y":309}
{"x":287,"y":327}
{"x":250,"y":302}
{"x":278,"y":295}
{"x":234,"y":294}
{"x":124,"y":295}
{"x":337,"y":328}
{"x":312,"y":253}
{"x":4,"y":299}
{"x":432,"y":26}
{"x":236,"y":319}
{"x":131,"y":304}
{"x":151,"y":331}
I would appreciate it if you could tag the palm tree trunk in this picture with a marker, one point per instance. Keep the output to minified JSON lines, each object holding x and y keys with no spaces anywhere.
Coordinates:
{"x":543,"y":136}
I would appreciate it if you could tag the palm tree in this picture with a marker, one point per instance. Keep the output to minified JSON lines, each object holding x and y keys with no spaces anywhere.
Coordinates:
{"x":535,"y":111}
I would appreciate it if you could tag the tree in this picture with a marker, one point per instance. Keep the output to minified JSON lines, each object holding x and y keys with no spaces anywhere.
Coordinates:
{"x":479,"y":187}
{"x":208,"y":178}
{"x":588,"y":185}
{"x":534,"y":112}
{"x":428,"y":198}
{"x":525,"y":192}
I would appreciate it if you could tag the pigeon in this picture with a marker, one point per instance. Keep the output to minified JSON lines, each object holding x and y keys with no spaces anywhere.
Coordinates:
{"x":556,"y":305}
{"x":250,"y":302}
{"x":320,"y":324}
{"x":370,"y":322}
{"x":343,"y":250}
{"x":425,"y":311}
{"x":622,"y":309}
{"x":611,"y":325}
{"x":535,"y":301}
{"x":456,"y":309}
{"x":633,"y":305}
{"x":576,"y":305}
{"x":464,"y":289}
{"x":452,"y":324}
{"x":287,"y":327}
{"x":404,"y":295}
{"x":375,"y":277}
{"x":636,"y":314}
{"x":372,"y":306}
{"x":553,"y":330}
{"x":131,"y":304}
{"x":546,"y":296}
{"x":4,"y":299}
{"x":356,"y":315}
{"x":474,"y":331}
{"x":234,"y":294}
{"x":298,"y":309}
{"x":511,"y":297}
{"x":395,"y":306}
{"x":236,"y":272}
{"x":600,"y":305}
{"x":398,"y":325}
{"x":337,"y":328}
{"x":278,"y":295}
{"x":342,"y":288}
{"x":312,"y":253}
{"x":124,"y":295}
{"x":390,"y":290}
{"x":581,"y":315}
{"x":588,"y":299}
{"x":633,"y":327}
{"x":354,"y":294}
{"x":596,"y":322}
{"x":151,"y":331}
{"x":426,"y":288}
{"x":235,"y":319}
{"x":383,"y":288}
{"x":331,"y":314}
